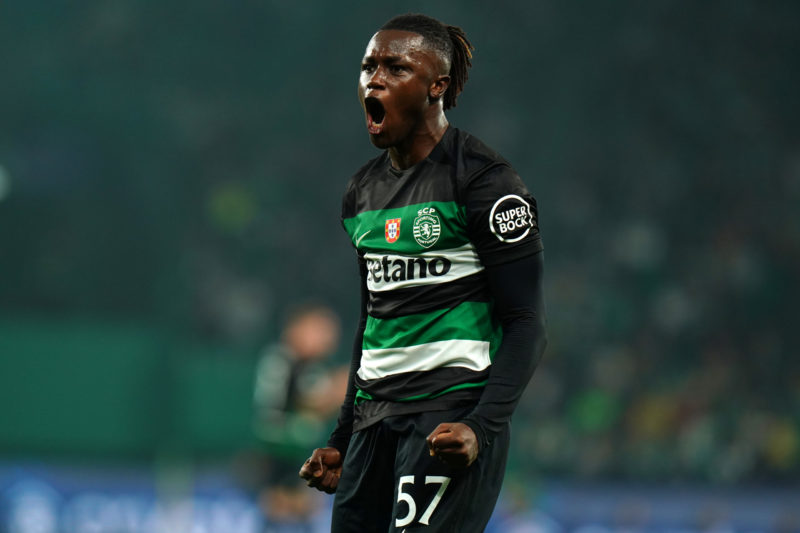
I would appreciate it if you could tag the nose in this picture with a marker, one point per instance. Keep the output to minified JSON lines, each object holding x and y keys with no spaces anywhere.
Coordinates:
{"x":376,"y":79}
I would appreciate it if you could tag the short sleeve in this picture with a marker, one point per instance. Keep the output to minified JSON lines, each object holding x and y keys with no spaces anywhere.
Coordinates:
{"x":502,"y":217}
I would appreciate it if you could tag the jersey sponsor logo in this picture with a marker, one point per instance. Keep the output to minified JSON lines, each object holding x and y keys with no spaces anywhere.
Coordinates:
{"x":387,"y":272}
{"x":392,"y":229}
{"x":388,"y":269}
{"x":511,"y":219}
{"x":427,"y":227}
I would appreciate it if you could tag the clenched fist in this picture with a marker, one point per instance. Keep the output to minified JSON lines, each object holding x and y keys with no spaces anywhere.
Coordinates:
{"x":454,"y":443}
{"x":323,"y":469}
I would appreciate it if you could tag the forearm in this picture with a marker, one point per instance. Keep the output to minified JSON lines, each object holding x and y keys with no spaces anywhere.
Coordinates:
{"x":523,"y":344}
{"x":340,"y":437}
{"x":519,"y":303}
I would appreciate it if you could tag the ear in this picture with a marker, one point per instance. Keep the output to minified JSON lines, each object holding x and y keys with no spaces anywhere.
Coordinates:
{"x":438,"y":87}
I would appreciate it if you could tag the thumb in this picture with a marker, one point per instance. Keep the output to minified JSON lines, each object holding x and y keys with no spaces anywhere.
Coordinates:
{"x":311,"y":468}
{"x":441,"y":428}
{"x":317,"y":467}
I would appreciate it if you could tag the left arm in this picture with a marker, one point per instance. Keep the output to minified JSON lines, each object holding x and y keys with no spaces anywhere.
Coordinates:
{"x":502,"y":221}
{"x":519,"y":304}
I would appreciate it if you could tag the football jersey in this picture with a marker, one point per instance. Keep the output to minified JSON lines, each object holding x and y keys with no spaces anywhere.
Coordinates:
{"x":425,"y":235}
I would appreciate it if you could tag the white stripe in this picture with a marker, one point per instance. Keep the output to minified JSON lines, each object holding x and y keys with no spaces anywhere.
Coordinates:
{"x":459,"y":262}
{"x":473,"y":355}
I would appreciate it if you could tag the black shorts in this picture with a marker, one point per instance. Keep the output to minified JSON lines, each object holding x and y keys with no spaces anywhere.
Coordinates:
{"x":391,"y":483}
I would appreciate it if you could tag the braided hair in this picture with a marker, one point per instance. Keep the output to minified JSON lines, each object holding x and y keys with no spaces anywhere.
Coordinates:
{"x":450,"y":41}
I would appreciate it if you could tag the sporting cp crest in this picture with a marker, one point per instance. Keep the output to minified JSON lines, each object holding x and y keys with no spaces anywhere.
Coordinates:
{"x":427,"y":227}
{"x":392,"y":229}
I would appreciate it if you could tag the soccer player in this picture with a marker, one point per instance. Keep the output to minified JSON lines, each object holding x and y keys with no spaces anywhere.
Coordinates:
{"x":452,"y":314}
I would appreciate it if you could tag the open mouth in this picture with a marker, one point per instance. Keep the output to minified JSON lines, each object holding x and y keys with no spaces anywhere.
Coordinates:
{"x":375,"y":114}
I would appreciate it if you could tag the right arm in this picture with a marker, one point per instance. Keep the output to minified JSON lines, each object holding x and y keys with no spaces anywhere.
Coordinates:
{"x":340,"y":438}
{"x":323,"y":468}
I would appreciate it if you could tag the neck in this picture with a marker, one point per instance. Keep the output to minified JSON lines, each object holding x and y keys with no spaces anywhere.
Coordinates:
{"x":419,"y":144}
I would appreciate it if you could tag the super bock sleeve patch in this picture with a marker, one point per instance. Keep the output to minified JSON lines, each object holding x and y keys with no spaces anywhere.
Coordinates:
{"x":511,"y":219}
{"x":502,"y":217}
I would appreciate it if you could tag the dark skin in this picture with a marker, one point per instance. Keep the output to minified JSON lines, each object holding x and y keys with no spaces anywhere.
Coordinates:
{"x":409,"y":80}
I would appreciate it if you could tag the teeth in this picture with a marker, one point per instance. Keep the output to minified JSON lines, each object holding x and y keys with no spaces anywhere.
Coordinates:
{"x":372,"y":126}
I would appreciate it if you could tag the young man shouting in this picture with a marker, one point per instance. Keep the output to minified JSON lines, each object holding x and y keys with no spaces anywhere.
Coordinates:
{"x":452,"y":314}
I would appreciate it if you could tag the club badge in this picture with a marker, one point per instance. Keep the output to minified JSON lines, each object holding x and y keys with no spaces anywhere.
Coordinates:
{"x":427,"y":227}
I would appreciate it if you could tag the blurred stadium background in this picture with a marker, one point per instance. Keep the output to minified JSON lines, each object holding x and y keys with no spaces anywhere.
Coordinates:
{"x":170,"y":175}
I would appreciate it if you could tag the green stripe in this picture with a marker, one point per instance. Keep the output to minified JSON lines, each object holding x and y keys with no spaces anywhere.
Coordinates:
{"x":467,"y":321}
{"x":362,"y":396}
{"x":367,"y":229}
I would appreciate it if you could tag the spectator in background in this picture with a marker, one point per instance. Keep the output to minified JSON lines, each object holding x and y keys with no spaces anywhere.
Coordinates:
{"x":297,"y":392}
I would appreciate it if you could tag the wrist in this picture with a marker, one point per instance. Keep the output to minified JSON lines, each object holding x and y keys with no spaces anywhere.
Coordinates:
{"x":480,"y":433}
{"x":340,"y":443}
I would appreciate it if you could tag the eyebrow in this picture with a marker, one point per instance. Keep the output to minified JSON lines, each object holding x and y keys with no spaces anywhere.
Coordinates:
{"x":387,"y":59}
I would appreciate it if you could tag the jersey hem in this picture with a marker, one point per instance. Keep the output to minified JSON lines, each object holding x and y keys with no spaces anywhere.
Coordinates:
{"x":373,"y":411}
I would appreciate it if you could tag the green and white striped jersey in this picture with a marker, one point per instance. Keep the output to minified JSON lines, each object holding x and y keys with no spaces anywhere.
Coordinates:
{"x":425,"y":235}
